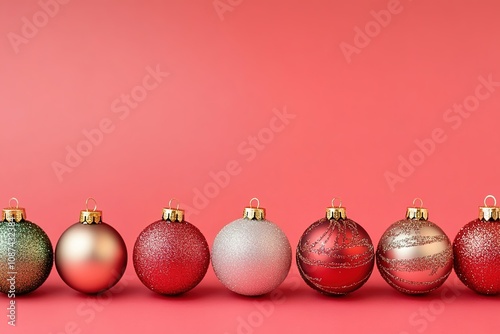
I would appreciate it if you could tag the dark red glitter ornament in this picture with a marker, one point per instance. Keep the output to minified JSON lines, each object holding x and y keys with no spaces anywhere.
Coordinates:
{"x":477,"y":251}
{"x":171,"y":256}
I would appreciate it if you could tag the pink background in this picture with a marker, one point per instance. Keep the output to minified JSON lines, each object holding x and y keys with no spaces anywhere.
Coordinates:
{"x":357,"y":113}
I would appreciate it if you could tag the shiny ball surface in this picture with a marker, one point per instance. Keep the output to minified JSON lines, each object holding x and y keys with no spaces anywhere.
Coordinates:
{"x":414,"y":256}
{"x":171,"y":257}
{"x":476,"y":251}
{"x":335,"y":257}
{"x":91,"y":258}
{"x":26,"y":250}
{"x":251,"y":257}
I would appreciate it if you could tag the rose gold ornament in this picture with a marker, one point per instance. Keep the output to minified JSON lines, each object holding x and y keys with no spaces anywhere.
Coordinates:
{"x":91,"y":256}
{"x":414,"y":255}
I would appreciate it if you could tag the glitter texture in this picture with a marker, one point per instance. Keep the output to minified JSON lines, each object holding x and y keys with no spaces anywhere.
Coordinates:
{"x":335,"y":257}
{"x":251,"y":257}
{"x":33,"y":256}
{"x":171,"y":257}
{"x":414,"y":256}
{"x":477,"y":256}
{"x":91,"y":258}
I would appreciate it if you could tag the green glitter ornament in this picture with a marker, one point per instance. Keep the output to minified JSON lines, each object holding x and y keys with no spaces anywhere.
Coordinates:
{"x":26,"y":254}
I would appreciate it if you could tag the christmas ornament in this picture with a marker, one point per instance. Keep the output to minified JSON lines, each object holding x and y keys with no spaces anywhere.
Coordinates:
{"x":414,"y":255}
{"x":335,"y":255}
{"x":171,"y":256}
{"x":476,"y":249}
{"x":25,"y":253}
{"x":91,"y":256}
{"x":251,"y":256}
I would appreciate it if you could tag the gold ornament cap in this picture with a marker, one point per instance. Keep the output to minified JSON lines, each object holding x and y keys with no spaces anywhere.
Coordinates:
{"x":172,"y":215}
{"x":256,"y":213}
{"x":417,"y":213}
{"x":93,"y":216}
{"x":13,"y":213}
{"x":336,"y":212}
{"x":489,"y":213}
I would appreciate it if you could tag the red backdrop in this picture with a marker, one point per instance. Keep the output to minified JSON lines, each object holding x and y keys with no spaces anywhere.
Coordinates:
{"x":215,"y":102}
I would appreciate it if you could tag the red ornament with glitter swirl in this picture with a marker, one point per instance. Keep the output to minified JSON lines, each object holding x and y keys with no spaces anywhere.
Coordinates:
{"x":414,"y":255}
{"x":335,"y":255}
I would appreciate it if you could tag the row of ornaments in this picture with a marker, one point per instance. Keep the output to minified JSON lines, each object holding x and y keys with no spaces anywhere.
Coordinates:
{"x":251,"y":255}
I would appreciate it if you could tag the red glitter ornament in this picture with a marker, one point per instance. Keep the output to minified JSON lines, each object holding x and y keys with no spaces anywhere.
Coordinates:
{"x":171,"y":256}
{"x":335,"y":255}
{"x":477,"y":251}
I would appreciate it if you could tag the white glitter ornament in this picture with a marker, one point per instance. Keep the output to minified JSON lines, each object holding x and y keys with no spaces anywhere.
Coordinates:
{"x":251,"y":256}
